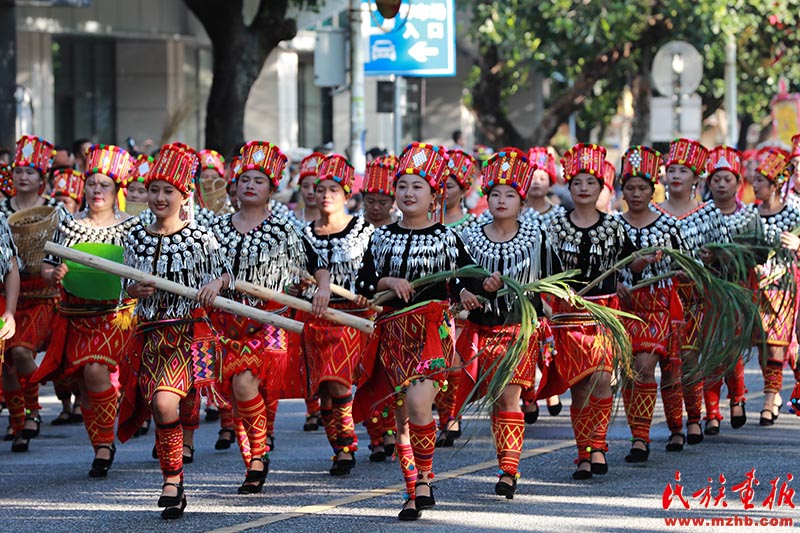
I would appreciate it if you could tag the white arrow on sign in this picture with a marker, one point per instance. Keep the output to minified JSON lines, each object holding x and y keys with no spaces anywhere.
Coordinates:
{"x":420,"y":51}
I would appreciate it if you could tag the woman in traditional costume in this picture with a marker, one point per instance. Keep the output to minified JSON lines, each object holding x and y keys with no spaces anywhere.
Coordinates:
{"x":90,"y":336}
{"x":178,"y":344}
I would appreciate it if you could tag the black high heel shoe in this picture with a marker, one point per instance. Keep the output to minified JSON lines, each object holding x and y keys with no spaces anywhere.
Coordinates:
{"x":740,"y":420}
{"x":172,"y":501}
{"x":554,"y":410}
{"x":223,"y":443}
{"x":9,"y":436}
{"x":407,"y":514}
{"x":255,"y":476}
{"x":579,"y":474}
{"x":20,"y":444}
{"x":312,"y":422}
{"x":100,"y":467}
{"x":694,"y":438}
{"x":504,"y":489}
{"x":32,"y":433}
{"x":638,"y":455}
{"x":425,"y":502}
{"x":531,"y":416}
{"x":378,"y":454}
{"x":174,"y":512}
{"x":599,"y":468}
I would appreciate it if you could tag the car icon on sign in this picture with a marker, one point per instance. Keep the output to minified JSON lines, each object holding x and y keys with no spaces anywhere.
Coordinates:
{"x":384,"y":49}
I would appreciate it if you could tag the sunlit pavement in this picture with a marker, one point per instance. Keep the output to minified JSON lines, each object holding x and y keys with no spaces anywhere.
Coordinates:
{"x":47,"y":489}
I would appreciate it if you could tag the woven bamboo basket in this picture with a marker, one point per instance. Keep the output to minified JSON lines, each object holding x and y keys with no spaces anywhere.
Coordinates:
{"x":215,"y":195}
{"x":134,"y":208}
{"x":32,"y":228}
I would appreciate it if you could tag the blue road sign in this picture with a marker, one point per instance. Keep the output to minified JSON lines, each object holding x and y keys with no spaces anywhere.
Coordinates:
{"x":419,"y":41}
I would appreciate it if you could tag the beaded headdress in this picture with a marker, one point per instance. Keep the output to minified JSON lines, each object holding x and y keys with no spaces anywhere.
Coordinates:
{"x":509,"y":166}
{"x":379,"y":176}
{"x":641,"y":162}
{"x":688,"y":153}
{"x":773,"y":164}
{"x":109,"y":160}
{"x":6,"y":183}
{"x":427,"y":161}
{"x":211,"y":159}
{"x":140,"y":168}
{"x":265,"y":157}
{"x":540,"y":158}
{"x":725,"y":158}
{"x":460,"y":167}
{"x":583,"y":159}
{"x":68,"y":182}
{"x":176,"y":164}
{"x":310,"y":164}
{"x":336,"y":167}
{"x":34,"y":152}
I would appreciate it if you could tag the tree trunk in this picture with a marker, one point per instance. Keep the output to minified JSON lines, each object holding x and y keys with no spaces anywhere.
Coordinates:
{"x":8,"y":75}
{"x":240,"y":51}
{"x":641,"y":89}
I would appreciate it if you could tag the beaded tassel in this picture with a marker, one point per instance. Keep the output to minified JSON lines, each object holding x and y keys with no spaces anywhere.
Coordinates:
{"x":104,"y":407}
{"x":405,"y":456}
{"x":169,"y":443}
{"x":189,"y":410}
{"x":640,"y":402}
{"x":423,"y":442}
{"x":346,"y":438}
{"x":254,"y":418}
{"x":15,"y":401}
{"x":508,"y":440}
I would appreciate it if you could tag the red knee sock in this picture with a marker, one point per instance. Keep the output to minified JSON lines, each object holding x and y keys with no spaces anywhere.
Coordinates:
{"x":169,"y":443}
{"x":189,"y":410}
{"x":405,"y":457}
{"x":693,"y":399}
{"x":312,"y":405}
{"x":15,"y":401}
{"x":243,"y":441}
{"x":508,"y":440}
{"x":226,"y":417}
{"x":712,"y":387}
{"x":581,"y":427}
{"x":91,"y":425}
{"x":734,"y":379}
{"x":601,"y":415}
{"x":640,"y":401}
{"x":30,"y":391}
{"x":104,"y":408}
{"x":254,"y":418}
{"x":423,"y":442}
{"x":326,"y":417}
{"x":773,"y":377}
{"x":446,"y":400}
{"x":346,"y":439}
{"x":375,"y":431}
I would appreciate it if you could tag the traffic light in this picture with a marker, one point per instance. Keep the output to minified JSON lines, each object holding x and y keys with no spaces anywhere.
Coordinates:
{"x":388,"y":8}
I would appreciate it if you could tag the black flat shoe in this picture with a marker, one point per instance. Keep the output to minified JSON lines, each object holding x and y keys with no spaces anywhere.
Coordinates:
{"x":638,"y":455}
{"x":62,"y":419}
{"x":212,"y":414}
{"x":740,"y":420}
{"x":377,"y":455}
{"x":425,"y":502}
{"x":693,"y":438}
{"x":9,"y":436}
{"x":32,"y":433}
{"x":342,"y":467}
{"x":768,"y":420}
{"x":312,"y":422}
{"x":554,"y":410}
{"x":711,"y":430}
{"x":676,"y":446}
{"x":389,"y":450}
{"x":408,"y":514}
{"x":20,"y":445}
{"x":174,"y":512}
{"x":154,"y":453}
{"x":599,"y":468}
{"x":188,"y":459}
{"x":532,"y":416}
{"x":255,"y":476}
{"x":226,"y":437}
{"x":271,"y":442}
{"x":100,"y":467}
{"x":504,"y":489}
{"x":580,"y":475}
{"x":172,"y":501}
{"x":143,"y":429}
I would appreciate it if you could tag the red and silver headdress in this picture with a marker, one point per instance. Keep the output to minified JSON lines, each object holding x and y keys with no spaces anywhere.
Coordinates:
{"x":265,"y":157}
{"x":688,"y":153}
{"x":641,"y":162}
{"x":584,"y":159}
{"x":510,"y":167}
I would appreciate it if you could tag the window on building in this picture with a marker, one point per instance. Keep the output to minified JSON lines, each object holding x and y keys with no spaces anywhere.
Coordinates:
{"x":83,"y":71}
{"x":314,"y":107}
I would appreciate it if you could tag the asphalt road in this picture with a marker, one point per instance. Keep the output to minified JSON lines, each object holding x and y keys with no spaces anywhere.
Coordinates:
{"x":47,"y":489}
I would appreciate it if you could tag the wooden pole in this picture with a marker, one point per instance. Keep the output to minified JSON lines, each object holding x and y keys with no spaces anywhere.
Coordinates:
{"x":334,"y":315}
{"x":125,"y":271}
{"x":338,"y":290}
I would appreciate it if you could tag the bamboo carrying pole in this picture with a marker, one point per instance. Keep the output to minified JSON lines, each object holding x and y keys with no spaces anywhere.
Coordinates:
{"x":125,"y":271}
{"x":338,"y":290}
{"x":334,"y":315}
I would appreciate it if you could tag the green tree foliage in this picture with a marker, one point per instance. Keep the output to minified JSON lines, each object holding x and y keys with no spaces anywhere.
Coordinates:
{"x":589,"y":50}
